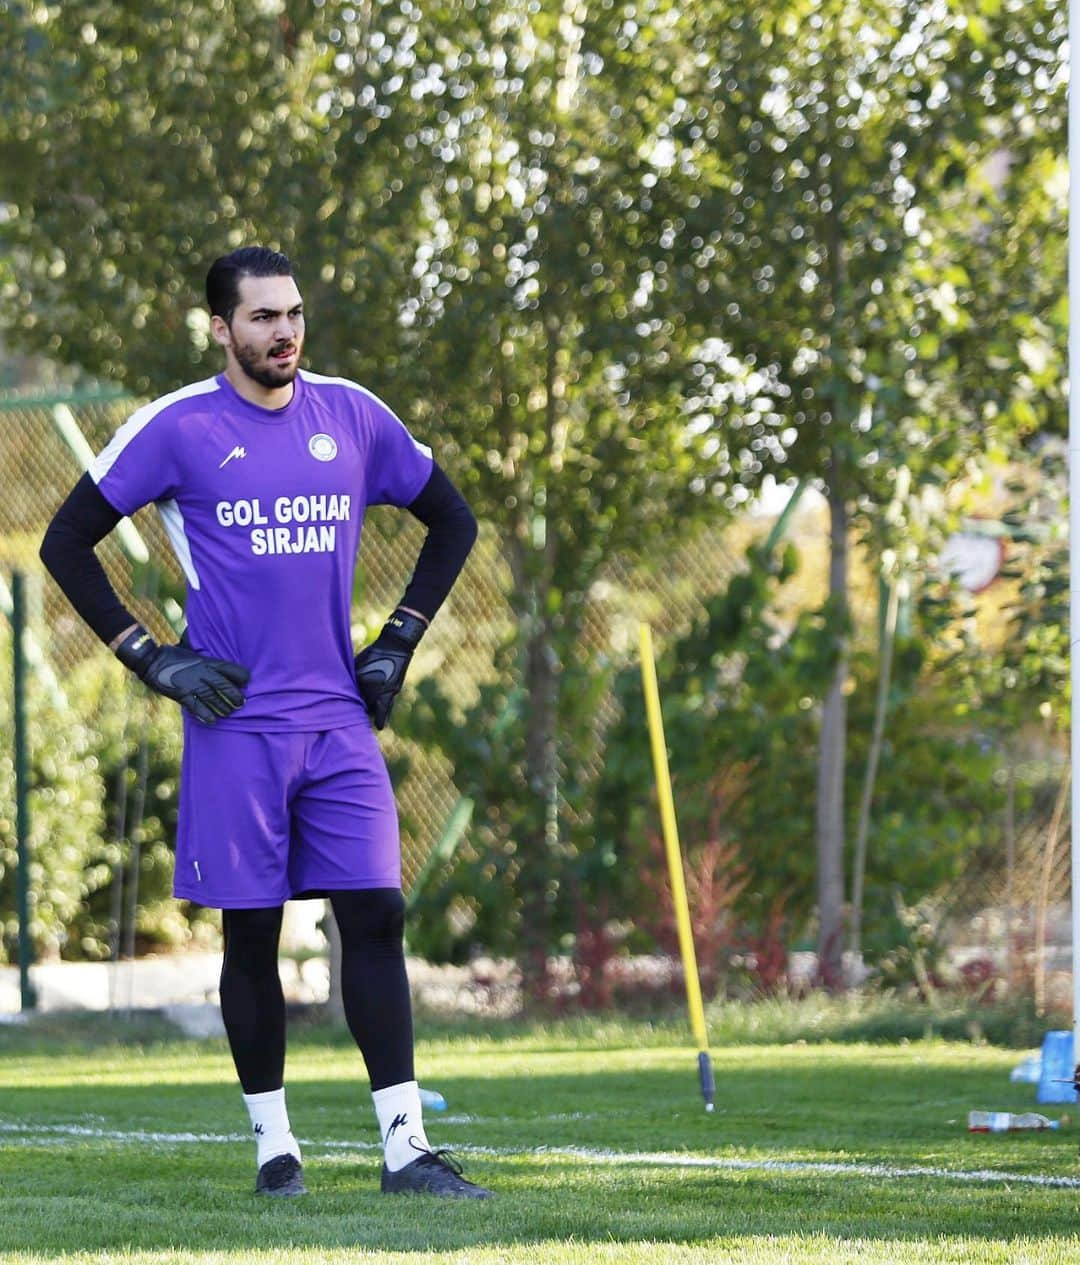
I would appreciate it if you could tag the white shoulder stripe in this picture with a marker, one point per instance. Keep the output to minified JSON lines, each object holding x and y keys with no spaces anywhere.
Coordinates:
{"x":318,"y":379}
{"x":103,"y":462}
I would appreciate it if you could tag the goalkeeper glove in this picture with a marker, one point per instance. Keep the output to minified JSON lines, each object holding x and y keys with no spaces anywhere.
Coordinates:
{"x":206,"y":687}
{"x":381,"y":667}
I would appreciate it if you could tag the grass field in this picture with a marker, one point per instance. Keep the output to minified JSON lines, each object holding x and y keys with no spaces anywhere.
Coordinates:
{"x":592,"y":1135}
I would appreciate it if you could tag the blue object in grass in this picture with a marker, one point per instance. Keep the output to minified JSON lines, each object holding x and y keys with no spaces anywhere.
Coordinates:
{"x":432,"y":1100}
{"x":1029,"y":1072}
{"x":1058,"y":1068}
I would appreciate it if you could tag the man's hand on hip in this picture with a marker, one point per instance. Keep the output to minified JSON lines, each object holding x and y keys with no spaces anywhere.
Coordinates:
{"x":207,"y":688}
{"x":381,"y":667}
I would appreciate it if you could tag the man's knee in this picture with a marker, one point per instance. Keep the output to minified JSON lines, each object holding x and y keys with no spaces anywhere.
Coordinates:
{"x":370,"y":919}
{"x":251,"y":940}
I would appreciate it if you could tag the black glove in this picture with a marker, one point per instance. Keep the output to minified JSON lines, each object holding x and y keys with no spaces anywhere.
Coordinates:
{"x":206,"y":687}
{"x":381,"y":667}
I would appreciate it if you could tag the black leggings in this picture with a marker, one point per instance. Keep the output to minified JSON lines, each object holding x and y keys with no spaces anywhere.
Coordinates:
{"x":374,"y":988}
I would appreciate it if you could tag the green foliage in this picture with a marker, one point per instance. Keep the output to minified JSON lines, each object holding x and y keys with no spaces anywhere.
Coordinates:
{"x":623,"y":261}
{"x":736,"y":689}
{"x":66,"y":824}
{"x":739,"y":688}
{"x":490,"y":214}
{"x":869,"y":223}
{"x":937,"y":799}
{"x":884,"y":224}
{"x":1007,"y":652}
{"x":1035,"y":677}
{"x":85,"y":758}
{"x":138,"y":748}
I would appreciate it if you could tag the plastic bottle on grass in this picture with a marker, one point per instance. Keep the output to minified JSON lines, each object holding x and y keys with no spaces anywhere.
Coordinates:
{"x":1007,"y":1121}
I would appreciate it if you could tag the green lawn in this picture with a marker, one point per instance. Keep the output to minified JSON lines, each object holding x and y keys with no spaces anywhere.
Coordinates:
{"x":593,"y":1137}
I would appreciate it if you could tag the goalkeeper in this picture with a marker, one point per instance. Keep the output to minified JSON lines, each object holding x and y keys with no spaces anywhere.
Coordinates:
{"x":261,"y":476}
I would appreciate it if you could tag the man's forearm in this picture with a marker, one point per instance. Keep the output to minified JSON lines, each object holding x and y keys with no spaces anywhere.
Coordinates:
{"x":451,"y":534}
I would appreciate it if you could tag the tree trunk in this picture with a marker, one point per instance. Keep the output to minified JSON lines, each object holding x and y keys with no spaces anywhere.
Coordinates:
{"x":537,"y":566}
{"x":877,"y":739}
{"x":538,"y":883}
{"x":831,"y":752}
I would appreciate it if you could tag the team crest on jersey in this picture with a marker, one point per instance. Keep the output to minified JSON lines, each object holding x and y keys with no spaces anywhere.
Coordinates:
{"x":323,"y":447}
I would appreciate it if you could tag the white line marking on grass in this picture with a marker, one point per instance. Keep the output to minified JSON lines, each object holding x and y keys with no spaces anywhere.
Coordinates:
{"x":560,"y":1117}
{"x":663,"y":1159}
{"x":118,"y":1135}
{"x":46,"y":1134}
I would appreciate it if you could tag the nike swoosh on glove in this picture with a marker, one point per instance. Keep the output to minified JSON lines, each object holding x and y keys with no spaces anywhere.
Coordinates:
{"x":381,"y":667}
{"x":207,"y":688}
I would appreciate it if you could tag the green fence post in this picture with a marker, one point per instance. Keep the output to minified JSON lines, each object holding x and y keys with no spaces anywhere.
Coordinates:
{"x":22,"y":804}
{"x":779,"y":528}
{"x":446,"y":845}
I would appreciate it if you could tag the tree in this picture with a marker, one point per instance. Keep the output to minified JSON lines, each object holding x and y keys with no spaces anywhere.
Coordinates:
{"x":738,"y":689}
{"x":864,"y":132}
{"x":139,"y":141}
{"x":625,"y":260}
{"x":554,"y":360}
{"x":487,"y":212}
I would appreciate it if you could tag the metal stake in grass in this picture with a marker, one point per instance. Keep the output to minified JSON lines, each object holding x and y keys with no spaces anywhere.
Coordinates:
{"x":675,"y":868}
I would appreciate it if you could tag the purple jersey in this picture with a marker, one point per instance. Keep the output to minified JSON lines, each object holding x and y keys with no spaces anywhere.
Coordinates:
{"x":264,"y":509}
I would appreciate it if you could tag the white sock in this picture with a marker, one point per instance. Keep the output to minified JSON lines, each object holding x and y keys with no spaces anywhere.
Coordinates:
{"x":401,"y":1124}
{"x":270,"y":1123}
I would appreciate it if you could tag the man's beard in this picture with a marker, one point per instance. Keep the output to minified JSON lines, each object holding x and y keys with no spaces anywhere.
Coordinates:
{"x":254,"y":365}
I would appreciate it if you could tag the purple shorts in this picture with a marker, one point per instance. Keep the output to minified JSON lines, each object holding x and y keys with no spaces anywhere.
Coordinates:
{"x":266,"y":817}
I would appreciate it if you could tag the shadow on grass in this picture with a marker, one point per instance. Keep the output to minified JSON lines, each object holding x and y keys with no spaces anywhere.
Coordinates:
{"x":103,"y":1189}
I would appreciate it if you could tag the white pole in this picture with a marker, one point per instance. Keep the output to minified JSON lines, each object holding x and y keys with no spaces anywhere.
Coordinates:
{"x":64,"y":420}
{"x":1074,"y":492}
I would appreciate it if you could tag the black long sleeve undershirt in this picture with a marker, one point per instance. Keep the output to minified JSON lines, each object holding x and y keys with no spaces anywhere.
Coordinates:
{"x":86,"y":518}
{"x":451,"y":534}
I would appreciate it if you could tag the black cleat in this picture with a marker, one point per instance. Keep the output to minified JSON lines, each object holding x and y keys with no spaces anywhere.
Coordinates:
{"x":434,"y":1173}
{"x":282,"y":1175}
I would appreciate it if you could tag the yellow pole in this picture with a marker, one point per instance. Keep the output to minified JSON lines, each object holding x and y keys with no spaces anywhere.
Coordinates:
{"x":674,"y":860}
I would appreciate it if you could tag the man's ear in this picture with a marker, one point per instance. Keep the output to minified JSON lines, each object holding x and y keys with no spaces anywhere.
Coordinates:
{"x":221,"y":332}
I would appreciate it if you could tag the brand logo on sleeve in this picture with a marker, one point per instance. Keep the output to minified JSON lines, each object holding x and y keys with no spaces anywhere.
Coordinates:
{"x":236,"y":453}
{"x":323,"y":447}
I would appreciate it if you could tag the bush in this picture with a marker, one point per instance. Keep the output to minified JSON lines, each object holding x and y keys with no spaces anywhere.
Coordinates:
{"x":741,"y":691}
{"x":91,"y":758}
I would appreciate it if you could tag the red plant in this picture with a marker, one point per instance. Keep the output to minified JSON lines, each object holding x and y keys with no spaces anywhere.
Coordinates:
{"x":714,"y":876}
{"x":595,"y":947}
{"x":980,"y":976}
{"x":768,"y":949}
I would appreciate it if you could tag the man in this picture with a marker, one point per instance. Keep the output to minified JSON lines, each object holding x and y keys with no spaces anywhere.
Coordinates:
{"x":261,"y":476}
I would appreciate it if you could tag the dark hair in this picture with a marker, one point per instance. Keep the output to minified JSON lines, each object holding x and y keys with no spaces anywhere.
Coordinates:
{"x":223,"y":279}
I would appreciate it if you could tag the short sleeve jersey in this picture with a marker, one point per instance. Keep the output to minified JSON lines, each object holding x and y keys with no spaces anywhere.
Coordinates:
{"x":264,"y":509}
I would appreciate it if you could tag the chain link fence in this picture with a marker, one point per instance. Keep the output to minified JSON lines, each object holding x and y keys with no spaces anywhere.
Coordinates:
{"x":106,"y":754}
{"x":1007,"y":917}
{"x":44,"y":445}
